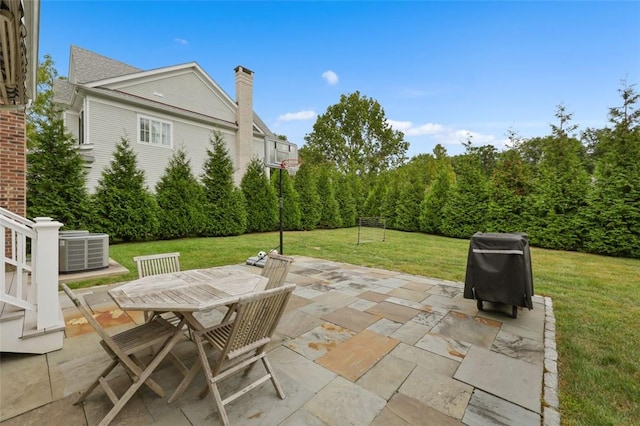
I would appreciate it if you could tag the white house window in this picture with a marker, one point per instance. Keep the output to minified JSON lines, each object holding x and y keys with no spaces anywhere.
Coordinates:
{"x":154,"y":131}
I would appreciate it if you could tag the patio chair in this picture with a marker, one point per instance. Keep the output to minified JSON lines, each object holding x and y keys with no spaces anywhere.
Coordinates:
{"x":276,"y":269}
{"x":122,"y":348}
{"x":241,"y":344}
{"x":156,"y":264}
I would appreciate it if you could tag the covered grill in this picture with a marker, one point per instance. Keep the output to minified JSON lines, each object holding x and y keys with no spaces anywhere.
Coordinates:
{"x":499,"y":270}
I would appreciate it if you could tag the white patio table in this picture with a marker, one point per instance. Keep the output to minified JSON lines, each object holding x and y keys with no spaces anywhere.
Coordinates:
{"x":186,"y":292}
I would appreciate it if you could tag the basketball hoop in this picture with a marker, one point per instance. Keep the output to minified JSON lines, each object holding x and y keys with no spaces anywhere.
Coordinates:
{"x":291,"y":165}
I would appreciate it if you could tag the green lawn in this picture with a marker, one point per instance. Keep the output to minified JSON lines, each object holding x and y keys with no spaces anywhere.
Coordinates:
{"x":596,"y":301}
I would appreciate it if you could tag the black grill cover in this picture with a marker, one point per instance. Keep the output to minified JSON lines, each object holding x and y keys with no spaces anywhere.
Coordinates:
{"x":499,"y":269}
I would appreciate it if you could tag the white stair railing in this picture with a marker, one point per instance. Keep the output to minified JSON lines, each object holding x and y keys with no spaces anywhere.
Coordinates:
{"x":31,"y":247}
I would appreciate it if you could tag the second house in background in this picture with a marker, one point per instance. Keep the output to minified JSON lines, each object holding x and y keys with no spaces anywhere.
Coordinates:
{"x":158,"y":111}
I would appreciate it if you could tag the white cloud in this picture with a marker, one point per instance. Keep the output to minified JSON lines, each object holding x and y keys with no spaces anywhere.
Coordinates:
{"x":409,"y":129}
{"x":400,"y":125}
{"x":297,"y":116}
{"x":181,"y":41}
{"x":331,"y":77}
{"x":425,"y":129}
{"x":438,"y":133}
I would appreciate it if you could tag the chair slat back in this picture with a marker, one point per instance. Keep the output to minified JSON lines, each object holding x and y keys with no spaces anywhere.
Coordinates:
{"x":155,"y":264}
{"x":276,"y":269}
{"x":256,"y":320}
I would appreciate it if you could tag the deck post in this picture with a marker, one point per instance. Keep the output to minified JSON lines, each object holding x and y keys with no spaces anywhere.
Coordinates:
{"x":45,"y":272}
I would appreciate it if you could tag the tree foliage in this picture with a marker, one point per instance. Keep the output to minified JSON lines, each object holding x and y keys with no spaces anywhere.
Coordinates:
{"x":464,"y":212}
{"x":613,"y":213}
{"x":56,"y":178}
{"x":181,"y":200}
{"x":226,"y":205}
{"x":306,"y":185}
{"x":123,"y":207}
{"x":262,"y":201}
{"x":344,"y":191}
{"x":42,"y":111}
{"x":291,"y":214}
{"x":329,"y":207}
{"x":354,"y":136}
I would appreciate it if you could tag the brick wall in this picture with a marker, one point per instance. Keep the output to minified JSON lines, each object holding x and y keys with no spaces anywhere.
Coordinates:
{"x":13,"y":162}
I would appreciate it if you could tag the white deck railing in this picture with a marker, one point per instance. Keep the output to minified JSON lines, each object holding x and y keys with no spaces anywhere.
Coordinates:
{"x":30,"y":247}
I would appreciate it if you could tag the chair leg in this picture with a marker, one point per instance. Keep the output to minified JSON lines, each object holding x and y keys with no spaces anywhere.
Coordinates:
{"x":102,"y":375}
{"x":215,"y":393}
{"x":141,"y":379}
{"x":267,"y":366}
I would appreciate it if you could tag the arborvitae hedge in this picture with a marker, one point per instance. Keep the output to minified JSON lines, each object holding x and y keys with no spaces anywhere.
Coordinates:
{"x":181,"y":200}
{"x":291,"y":214}
{"x":262,"y":201}
{"x":56,"y":178}
{"x":122,"y":205}
{"x":226,"y":206}
{"x":306,"y":185}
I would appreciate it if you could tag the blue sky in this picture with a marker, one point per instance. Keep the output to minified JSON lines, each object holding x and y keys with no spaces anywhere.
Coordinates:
{"x":440,"y":70}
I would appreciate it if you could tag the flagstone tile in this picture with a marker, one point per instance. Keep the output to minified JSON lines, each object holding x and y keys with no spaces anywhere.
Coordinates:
{"x":302,"y":417}
{"x":487,"y":409}
{"x":319,"y":341}
{"x":20,"y":376}
{"x":430,"y":360}
{"x":416,"y":285}
{"x":296,"y":302}
{"x":404,"y":302}
{"x":519,"y":347}
{"x":335,"y":299}
{"x":78,"y":324}
{"x":384,"y":327}
{"x":466,"y":306}
{"x":373,"y":296}
{"x":322,"y":287}
{"x":405,"y":293}
{"x":352,"y":358}
{"x":392,"y":282}
{"x":388,"y":418}
{"x":362,"y":305}
{"x":443,"y":290}
{"x":393,"y":311}
{"x":386,"y":376}
{"x":410,"y":332}
{"x":58,"y":412}
{"x":300,"y":280}
{"x":415,"y":412}
{"x":428,"y":319}
{"x":297,"y":322}
{"x":444,"y":346}
{"x":445,"y":394}
{"x":342,"y":402}
{"x":300,"y":369}
{"x":306,"y":292}
{"x":461,"y":327}
{"x":511,"y":379}
{"x":351,"y":318}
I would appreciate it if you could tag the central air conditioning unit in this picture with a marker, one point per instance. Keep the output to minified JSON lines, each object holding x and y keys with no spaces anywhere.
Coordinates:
{"x":82,"y":251}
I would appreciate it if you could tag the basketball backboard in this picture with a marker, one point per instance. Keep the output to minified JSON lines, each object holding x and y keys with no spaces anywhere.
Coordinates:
{"x":278,"y":150}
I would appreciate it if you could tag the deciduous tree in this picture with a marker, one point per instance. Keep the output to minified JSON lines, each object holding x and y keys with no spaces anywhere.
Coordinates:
{"x":354,"y":135}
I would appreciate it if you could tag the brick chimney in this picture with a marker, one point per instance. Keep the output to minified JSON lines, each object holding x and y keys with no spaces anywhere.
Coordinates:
{"x":244,"y":120}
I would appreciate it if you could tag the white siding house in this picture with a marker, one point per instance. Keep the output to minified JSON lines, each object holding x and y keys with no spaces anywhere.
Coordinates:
{"x":158,"y":111}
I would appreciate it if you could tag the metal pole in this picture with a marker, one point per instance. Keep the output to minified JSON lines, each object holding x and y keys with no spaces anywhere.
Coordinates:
{"x":281,"y":209}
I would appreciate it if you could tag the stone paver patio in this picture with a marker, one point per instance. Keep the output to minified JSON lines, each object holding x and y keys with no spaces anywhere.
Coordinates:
{"x":357,"y":346}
